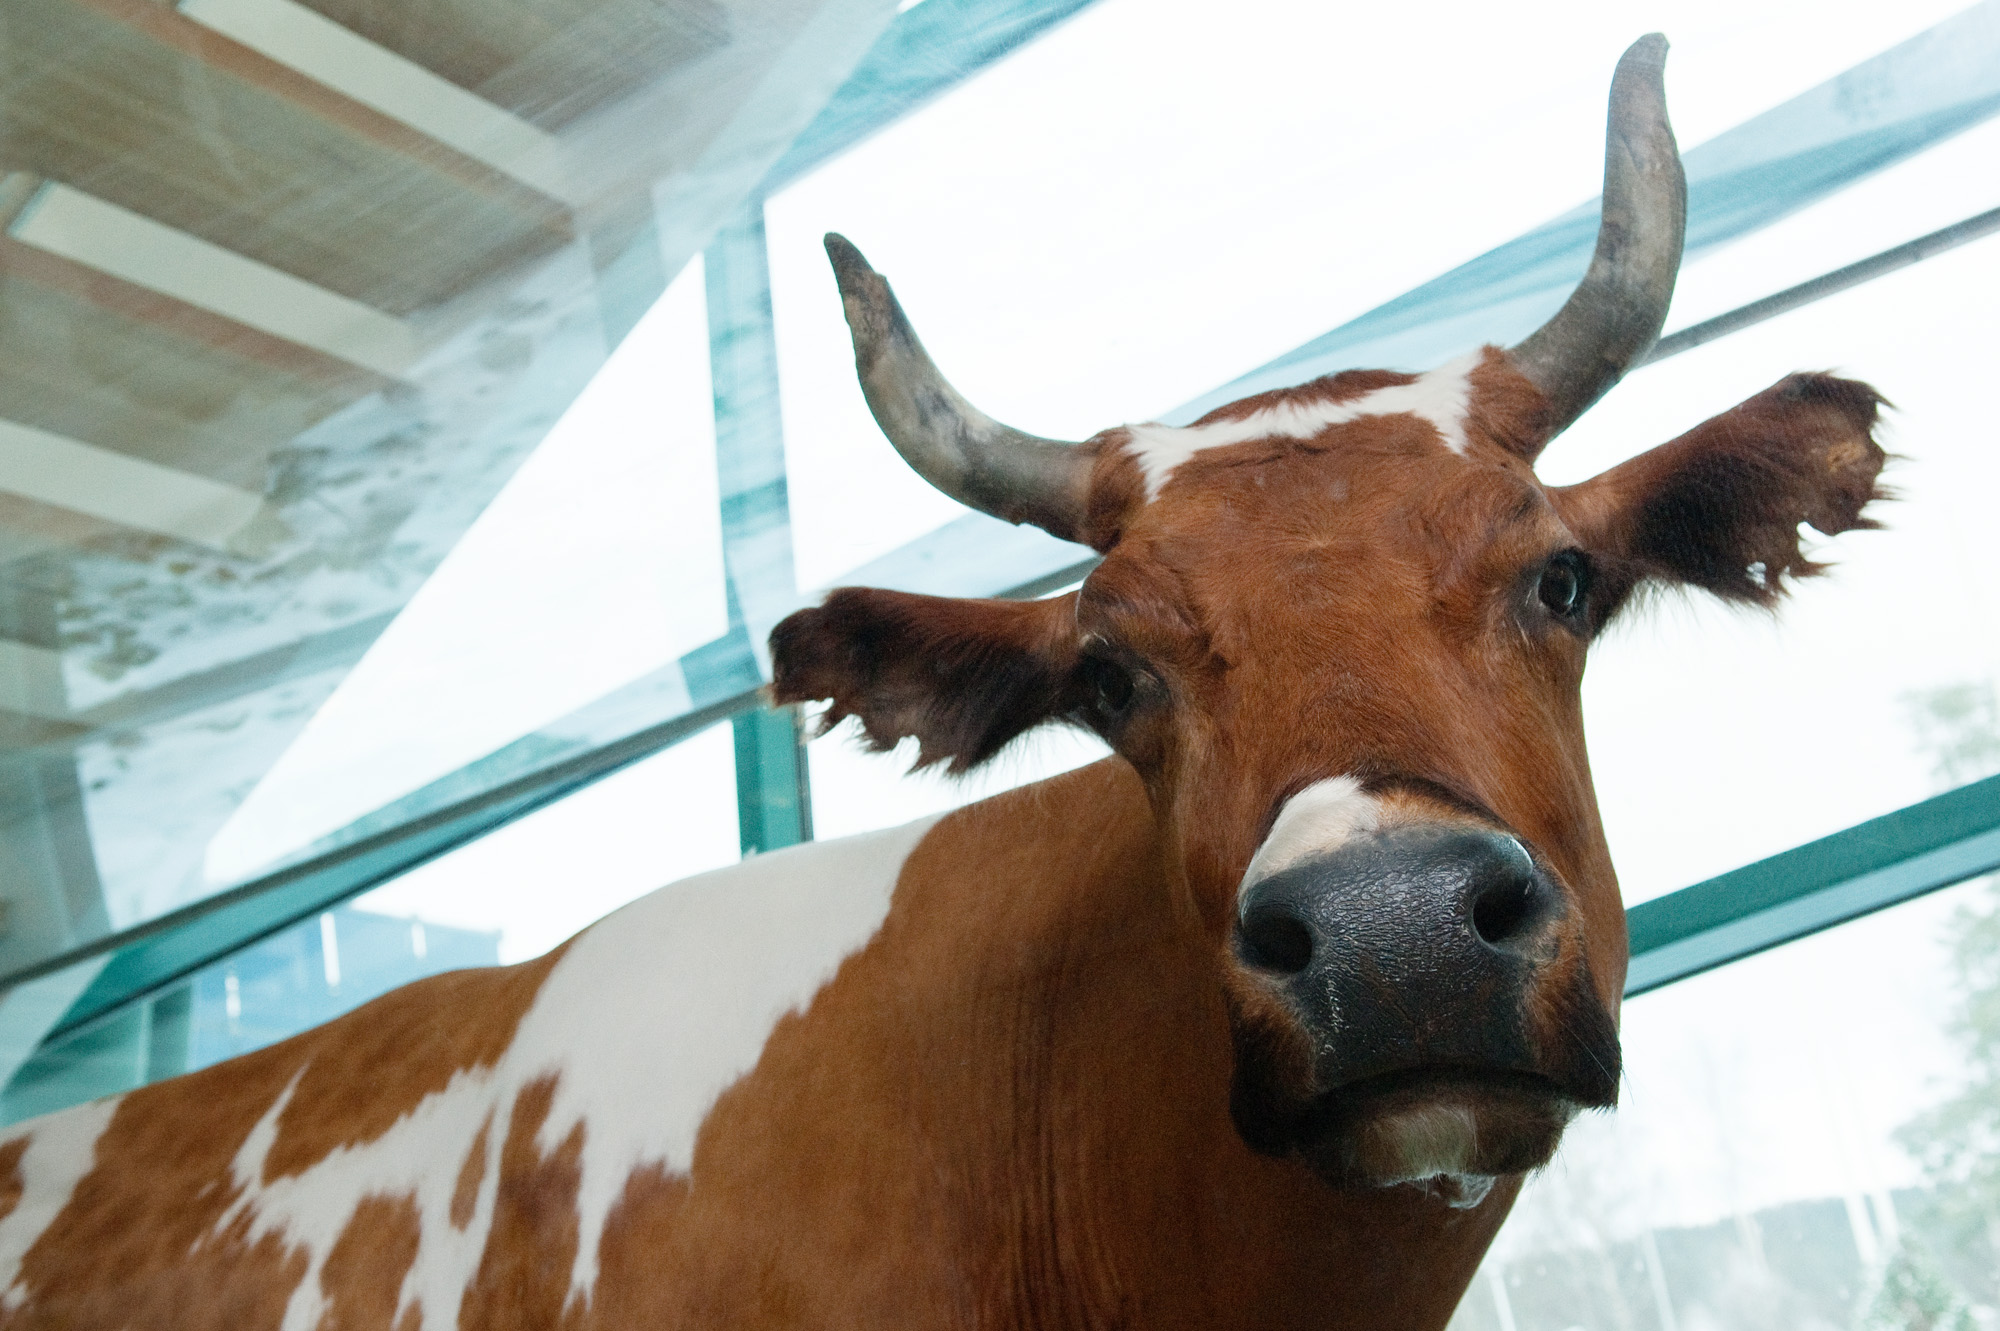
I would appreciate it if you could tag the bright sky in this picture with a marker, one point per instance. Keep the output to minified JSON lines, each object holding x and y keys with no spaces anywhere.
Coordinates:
{"x":1137,"y":208}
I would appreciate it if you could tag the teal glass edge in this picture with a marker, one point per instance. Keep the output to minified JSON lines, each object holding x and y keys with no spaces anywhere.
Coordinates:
{"x":1869,"y":867}
{"x":924,"y":53}
{"x":1880,"y":863}
{"x":152,"y":956}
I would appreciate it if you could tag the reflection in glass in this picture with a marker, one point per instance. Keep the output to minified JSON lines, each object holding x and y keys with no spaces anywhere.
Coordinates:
{"x":289,"y":290}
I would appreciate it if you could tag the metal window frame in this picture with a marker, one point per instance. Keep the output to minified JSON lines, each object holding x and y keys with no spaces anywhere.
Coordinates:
{"x":1869,"y":867}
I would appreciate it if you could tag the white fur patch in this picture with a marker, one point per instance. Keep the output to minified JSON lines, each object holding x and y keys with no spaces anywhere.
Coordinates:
{"x":61,"y":1149}
{"x":1432,"y":1139}
{"x":1314,"y":821}
{"x":418,"y":1157}
{"x":652,"y":1013}
{"x":1435,"y":1145}
{"x":1440,"y":397}
{"x":694,"y":980}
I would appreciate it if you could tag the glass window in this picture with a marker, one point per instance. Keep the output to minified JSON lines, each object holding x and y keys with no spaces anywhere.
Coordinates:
{"x":1810,"y":1138}
{"x":599,"y":562}
{"x":504,"y":898}
{"x":287,"y":295}
{"x":1151,"y":201}
{"x":1720,"y":736}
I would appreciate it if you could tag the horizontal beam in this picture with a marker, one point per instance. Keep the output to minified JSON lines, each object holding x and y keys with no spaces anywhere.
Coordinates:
{"x":40,"y":696}
{"x":87,"y":230}
{"x":1877,"y":864}
{"x":130,"y":492}
{"x":122,"y":319}
{"x":552,"y":62}
{"x":401,"y":89}
{"x":267,"y":162}
{"x":233,"y":679}
{"x":1826,"y":284}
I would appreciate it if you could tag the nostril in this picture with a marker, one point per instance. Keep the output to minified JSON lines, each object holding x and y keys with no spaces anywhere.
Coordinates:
{"x":1504,"y":911}
{"x":1276,"y":940}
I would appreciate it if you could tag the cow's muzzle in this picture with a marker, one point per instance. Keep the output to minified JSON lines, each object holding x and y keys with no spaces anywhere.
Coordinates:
{"x":1437,"y":980}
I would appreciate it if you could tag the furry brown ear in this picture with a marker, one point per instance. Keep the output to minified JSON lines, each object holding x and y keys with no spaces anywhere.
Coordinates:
{"x":1719,"y":508}
{"x":964,"y":677}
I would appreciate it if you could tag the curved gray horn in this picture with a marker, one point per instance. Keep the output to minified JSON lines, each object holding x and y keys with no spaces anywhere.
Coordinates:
{"x":1614,"y":315}
{"x":951,"y":443}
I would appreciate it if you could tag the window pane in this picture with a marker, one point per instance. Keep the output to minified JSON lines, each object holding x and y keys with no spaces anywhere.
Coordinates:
{"x":1152,"y":200}
{"x":504,"y":898}
{"x":288,"y":293}
{"x":1804,"y":1140}
{"x":1721,"y":736}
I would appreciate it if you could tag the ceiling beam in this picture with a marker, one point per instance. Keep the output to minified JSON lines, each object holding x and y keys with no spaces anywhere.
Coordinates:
{"x":130,"y":492}
{"x":74,"y":225}
{"x":267,"y":162}
{"x":401,"y":89}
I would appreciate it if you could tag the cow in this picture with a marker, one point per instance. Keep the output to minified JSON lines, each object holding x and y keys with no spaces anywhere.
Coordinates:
{"x":1258,"y":1022}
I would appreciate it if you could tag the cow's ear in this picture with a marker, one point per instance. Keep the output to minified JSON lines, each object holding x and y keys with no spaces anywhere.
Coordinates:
{"x":964,"y":677}
{"x":1719,"y":508}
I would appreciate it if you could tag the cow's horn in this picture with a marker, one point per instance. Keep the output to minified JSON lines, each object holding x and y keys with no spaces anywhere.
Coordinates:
{"x":951,"y":443}
{"x":1614,"y":315}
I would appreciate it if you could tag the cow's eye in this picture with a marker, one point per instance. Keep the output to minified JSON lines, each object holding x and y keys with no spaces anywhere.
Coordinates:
{"x":1565,"y":584}
{"x":1111,"y":685}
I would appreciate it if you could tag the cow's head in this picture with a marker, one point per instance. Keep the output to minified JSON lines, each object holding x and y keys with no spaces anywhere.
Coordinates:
{"x":1339,"y":630}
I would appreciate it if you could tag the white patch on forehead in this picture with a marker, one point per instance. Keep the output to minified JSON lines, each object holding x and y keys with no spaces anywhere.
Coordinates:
{"x":1314,"y":821}
{"x":1440,"y":397}
{"x":652,"y":1013}
{"x":61,"y":1149}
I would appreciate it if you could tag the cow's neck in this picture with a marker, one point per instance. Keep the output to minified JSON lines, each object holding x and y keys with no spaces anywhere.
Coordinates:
{"x":1007,"y":1108}
{"x":1065,"y":1136}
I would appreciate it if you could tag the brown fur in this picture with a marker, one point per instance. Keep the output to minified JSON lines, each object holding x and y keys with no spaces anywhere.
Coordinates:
{"x":523,"y":1279}
{"x":10,"y":1175}
{"x":465,"y":1193}
{"x":1027,"y":1130}
{"x":1363,"y":603}
{"x":1023,"y":1102}
{"x":1719,"y":508}
{"x":363,"y":1275}
{"x":137,"y":1246}
{"x":1010,"y":1109}
{"x":965,"y":677}
{"x":340,"y":1099}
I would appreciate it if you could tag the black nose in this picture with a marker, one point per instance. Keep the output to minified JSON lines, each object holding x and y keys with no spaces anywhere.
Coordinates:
{"x":1409,"y":948}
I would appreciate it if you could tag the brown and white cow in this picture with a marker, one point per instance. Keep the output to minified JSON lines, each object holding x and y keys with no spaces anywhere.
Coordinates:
{"x":1257,"y":1023}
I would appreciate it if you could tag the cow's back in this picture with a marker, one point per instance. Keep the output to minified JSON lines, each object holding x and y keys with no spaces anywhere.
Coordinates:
{"x":448,"y":1152}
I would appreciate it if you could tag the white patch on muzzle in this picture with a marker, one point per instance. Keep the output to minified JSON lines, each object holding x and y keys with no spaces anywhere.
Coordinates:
{"x":1432,"y":1139}
{"x":1320,"y":818}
